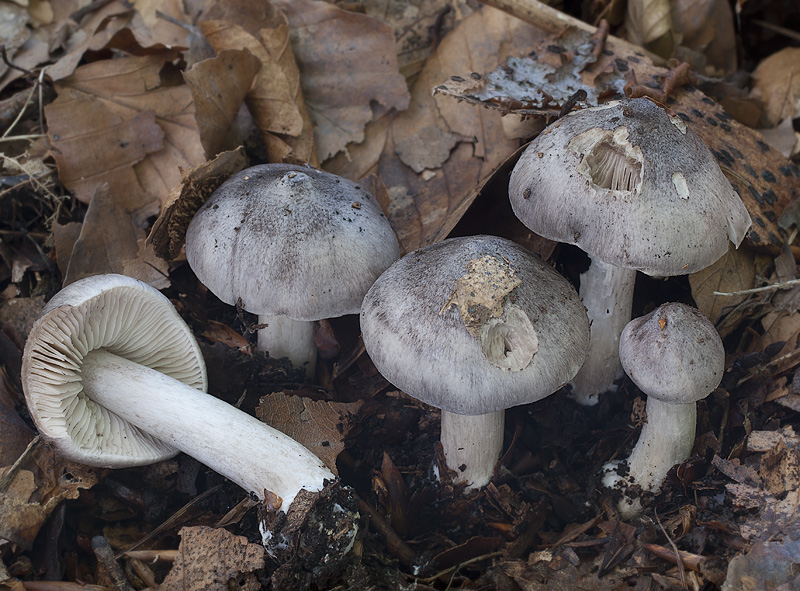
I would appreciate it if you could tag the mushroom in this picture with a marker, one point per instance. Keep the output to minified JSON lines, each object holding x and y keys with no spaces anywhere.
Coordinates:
{"x":474,"y":326}
{"x":630,"y":184}
{"x":114,"y":378}
{"x":675,"y":356}
{"x":294,"y":245}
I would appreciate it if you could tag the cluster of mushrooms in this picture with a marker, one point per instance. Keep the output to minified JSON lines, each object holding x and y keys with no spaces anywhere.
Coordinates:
{"x":470,"y":325}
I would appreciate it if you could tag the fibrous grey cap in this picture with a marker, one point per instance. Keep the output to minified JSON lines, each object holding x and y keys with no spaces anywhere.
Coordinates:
{"x":632,"y":185}
{"x":673,"y":353}
{"x":474,"y":325}
{"x":292,"y":241}
{"x":125,"y":317}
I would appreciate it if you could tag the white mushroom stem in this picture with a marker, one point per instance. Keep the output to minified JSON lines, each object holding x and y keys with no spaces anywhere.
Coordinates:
{"x":472,"y":445}
{"x":285,"y":337}
{"x":224,"y":438}
{"x":666,"y":440}
{"x":607,"y":294}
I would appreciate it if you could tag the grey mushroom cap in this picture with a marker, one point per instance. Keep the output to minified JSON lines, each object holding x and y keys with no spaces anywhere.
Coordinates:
{"x":292,"y":241}
{"x":474,"y":325}
{"x":125,"y":317}
{"x":673,"y":353}
{"x":632,"y":185}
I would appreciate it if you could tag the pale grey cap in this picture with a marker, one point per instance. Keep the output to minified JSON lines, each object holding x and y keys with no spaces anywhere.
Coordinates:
{"x":292,"y":241}
{"x":474,"y":325}
{"x":632,"y":185}
{"x":673,"y":353}
{"x":123,"y":316}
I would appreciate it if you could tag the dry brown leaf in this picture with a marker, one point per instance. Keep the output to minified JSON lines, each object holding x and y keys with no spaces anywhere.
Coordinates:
{"x":347,"y":61}
{"x":14,"y":29}
{"x":114,"y":123}
{"x":319,"y":425}
{"x":780,"y":469}
{"x":647,"y":22}
{"x":64,"y":238}
{"x":777,"y":82}
{"x":41,"y":481}
{"x":108,"y":242}
{"x":208,"y":558}
{"x":733,"y":272}
{"x":217,"y":332}
{"x":34,"y":52}
{"x":94,"y":34}
{"x":218,"y":87}
{"x":150,"y":29}
{"x":706,"y":26}
{"x":424,"y":207}
{"x":169,"y":230}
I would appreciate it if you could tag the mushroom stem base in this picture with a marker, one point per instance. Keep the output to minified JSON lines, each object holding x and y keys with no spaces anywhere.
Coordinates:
{"x":285,"y":337}
{"x":607,"y":293}
{"x":472,"y":445}
{"x":224,"y":438}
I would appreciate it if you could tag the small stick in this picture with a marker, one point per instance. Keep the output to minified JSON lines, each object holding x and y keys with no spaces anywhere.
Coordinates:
{"x":106,"y":561}
{"x":689,"y":560}
{"x":773,"y":287}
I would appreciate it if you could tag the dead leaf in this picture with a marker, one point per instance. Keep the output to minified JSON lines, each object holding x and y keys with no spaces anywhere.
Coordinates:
{"x":218,"y":87}
{"x":209,"y":558}
{"x":706,"y":26}
{"x":64,"y":238}
{"x":14,"y":29}
{"x":113,"y":122}
{"x":319,"y":425}
{"x":150,"y":29}
{"x":780,"y":469}
{"x":733,"y":272}
{"x":647,"y":21}
{"x":777,"y":82}
{"x":767,"y":565}
{"x":783,"y":138}
{"x":169,"y":230}
{"x":40,"y":482}
{"x":108,"y":242}
{"x":217,"y":332}
{"x":347,"y":60}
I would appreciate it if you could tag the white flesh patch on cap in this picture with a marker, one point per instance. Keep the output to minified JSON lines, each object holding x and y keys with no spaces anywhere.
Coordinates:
{"x":608,"y":160}
{"x":678,"y":122}
{"x":510,"y":342}
{"x":680,"y":185}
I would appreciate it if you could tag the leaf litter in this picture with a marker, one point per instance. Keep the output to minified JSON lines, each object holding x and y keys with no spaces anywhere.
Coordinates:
{"x":145,"y":123}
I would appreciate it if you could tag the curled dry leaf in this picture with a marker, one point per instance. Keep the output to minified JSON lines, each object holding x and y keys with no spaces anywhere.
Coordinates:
{"x":151,"y":29}
{"x":208,"y":558}
{"x":113,"y":122}
{"x":777,"y":82}
{"x":706,"y":26}
{"x":319,"y":425}
{"x":218,"y":87}
{"x":347,"y":60}
{"x":169,"y":230}
{"x":649,"y":24}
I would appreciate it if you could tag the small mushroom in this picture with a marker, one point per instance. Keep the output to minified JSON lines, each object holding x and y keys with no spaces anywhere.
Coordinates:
{"x":114,"y":378}
{"x":632,"y":186}
{"x":675,"y":356}
{"x":474,"y":326}
{"x":295,"y":245}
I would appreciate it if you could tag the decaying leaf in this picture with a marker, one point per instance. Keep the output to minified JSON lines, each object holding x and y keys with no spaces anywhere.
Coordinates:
{"x":169,"y":230}
{"x":347,"y":60}
{"x":113,"y":122}
{"x":38,"y":483}
{"x":219,"y":86}
{"x":777,"y":82}
{"x":649,"y":24}
{"x":319,"y":425}
{"x":706,"y":27}
{"x":733,"y":272}
{"x":769,"y":564}
{"x":210,"y":558}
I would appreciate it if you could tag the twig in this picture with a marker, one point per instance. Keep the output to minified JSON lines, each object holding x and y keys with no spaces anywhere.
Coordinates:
{"x":106,"y":561}
{"x":679,"y":562}
{"x":21,"y":111}
{"x":455,"y":569}
{"x":552,"y":20}
{"x":773,"y":287}
{"x":8,"y":475}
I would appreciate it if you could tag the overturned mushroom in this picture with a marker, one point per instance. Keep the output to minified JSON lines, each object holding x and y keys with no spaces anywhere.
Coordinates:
{"x":675,"y":356}
{"x":631,"y":185}
{"x":114,"y":378}
{"x":295,"y":245}
{"x":474,"y":326}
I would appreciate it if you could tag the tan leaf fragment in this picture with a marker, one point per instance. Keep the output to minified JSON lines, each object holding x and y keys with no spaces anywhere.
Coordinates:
{"x":319,"y":425}
{"x":647,"y":21}
{"x":209,"y":558}
{"x":733,"y":272}
{"x":347,"y":61}
{"x":25,"y":508}
{"x":150,"y":29}
{"x":218,"y":87}
{"x":780,"y":469}
{"x":707,"y":27}
{"x":108,"y":122}
{"x":169,"y":230}
{"x":777,"y":82}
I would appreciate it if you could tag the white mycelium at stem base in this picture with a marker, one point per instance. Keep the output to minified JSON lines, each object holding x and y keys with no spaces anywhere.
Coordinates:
{"x":631,"y":185}
{"x":607,"y":293}
{"x":474,"y":326}
{"x":675,"y":356}
{"x":114,"y":378}
{"x":294,"y":245}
